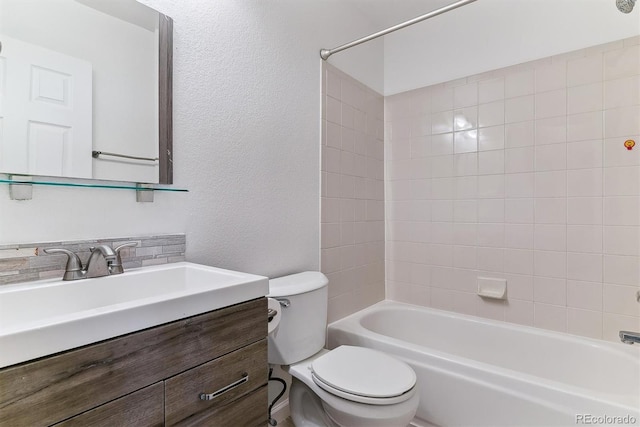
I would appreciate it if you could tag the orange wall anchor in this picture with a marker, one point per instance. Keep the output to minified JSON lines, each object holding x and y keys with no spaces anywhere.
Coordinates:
{"x":629,"y":143}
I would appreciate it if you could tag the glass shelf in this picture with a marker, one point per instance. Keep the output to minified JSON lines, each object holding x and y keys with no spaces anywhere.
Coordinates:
{"x":151,"y":187}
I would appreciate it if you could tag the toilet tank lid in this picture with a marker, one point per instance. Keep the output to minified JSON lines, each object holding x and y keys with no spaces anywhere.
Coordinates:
{"x":298,"y":283}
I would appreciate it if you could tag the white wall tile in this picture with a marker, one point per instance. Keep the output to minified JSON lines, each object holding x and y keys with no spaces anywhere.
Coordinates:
{"x":584,"y":210}
{"x":551,"y":184}
{"x":441,"y":98}
{"x":465,"y":141}
{"x":584,"y":182}
{"x":621,"y":211}
{"x":582,"y":99}
{"x":621,"y":240}
{"x":551,"y":104}
{"x":520,"y":185}
{"x":585,"y":126}
{"x":549,"y":290}
{"x":622,"y":181}
{"x":491,"y":259}
{"x":550,"y":264}
{"x":519,"y":83}
{"x":551,"y":210}
{"x":491,"y":138}
{"x":442,"y":210}
{"x":519,"y":236}
{"x":466,"y":118}
{"x":585,"y":295}
{"x":622,"y":92}
{"x":491,"y":114}
{"x":584,"y":238}
{"x":550,"y":237}
{"x":585,"y":70}
{"x":615,"y":154}
{"x":584,"y":267}
{"x":491,"y":90}
{"x":466,"y":95}
{"x":621,"y":270}
{"x":621,"y":63}
{"x":551,"y":130}
{"x":622,"y":121}
{"x":585,"y":323}
{"x":522,"y":134}
{"x":491,"y":235}
{"x":465,"y":234}
{"x":519,"y":211}
{"x":491,"y":162}
{"x":442,"y":144}
{"x":520,"y":312}
{"x":491,"y":210}
{"x":491,"y":186}
{"x":465,"y":211}
{"x":550,"y":157}
{"x":585,"y":154}
{"x":464,"y":257}
{"x":551,"y":317}
{"x":519,"y":262}
{"x":551,"y":77}
{"x":442,"y":122}
{"x":621,"y":300}
{"x":520,"y":286}
{"x":519,"y":109}
{"x":518,"y":160}
{"x":466,"y":164}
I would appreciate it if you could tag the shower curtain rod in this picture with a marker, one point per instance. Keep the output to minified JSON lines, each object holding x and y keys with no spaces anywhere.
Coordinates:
{"x":326,"y":53}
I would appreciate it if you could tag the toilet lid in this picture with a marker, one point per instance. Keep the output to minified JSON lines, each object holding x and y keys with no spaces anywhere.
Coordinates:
{"x":363,"y":372}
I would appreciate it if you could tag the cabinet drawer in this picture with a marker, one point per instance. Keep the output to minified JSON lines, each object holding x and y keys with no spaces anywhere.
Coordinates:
{"x":249,"y":410}
{"x":183,"y":405}
{"x":58,"y":387}
{"x":142,"y":408}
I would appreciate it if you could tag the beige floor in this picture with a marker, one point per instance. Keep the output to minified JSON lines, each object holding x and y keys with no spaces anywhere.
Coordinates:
{"x":286,"y":423}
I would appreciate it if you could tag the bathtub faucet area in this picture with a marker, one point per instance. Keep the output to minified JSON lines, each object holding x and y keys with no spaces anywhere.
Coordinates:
{"x":629,"y":337}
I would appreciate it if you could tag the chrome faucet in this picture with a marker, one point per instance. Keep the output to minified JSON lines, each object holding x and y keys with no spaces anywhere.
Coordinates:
{"x":103,"y":261}
{"x":629,"y":337}
{"x":100,"y":260}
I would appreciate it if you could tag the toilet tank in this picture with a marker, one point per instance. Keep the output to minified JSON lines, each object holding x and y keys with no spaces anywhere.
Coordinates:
{"x":301,"y":332}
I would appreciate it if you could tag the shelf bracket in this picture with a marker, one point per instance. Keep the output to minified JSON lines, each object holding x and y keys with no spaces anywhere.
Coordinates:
{"x":21,"y":190}
{"x":144,"y":194}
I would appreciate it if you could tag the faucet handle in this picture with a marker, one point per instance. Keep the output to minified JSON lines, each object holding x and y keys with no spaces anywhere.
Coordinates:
{"x":116,"y":266}
{"x":125,"y":245}
{"x":73,"y":270}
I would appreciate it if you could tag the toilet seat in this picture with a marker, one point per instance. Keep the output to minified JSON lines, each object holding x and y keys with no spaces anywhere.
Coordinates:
{"x":363,"y":375}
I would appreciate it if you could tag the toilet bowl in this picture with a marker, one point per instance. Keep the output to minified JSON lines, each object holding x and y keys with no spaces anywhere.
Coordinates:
{"x":315,"y":403}
{"x":348,"y":386}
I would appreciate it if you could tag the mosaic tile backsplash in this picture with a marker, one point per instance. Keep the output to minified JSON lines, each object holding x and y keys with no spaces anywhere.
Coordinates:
{"x":27,"y":261}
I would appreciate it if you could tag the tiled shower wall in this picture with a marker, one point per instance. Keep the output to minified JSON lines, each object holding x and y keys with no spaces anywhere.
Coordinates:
{"x":352,"y":218}
{"x":522,"y":174}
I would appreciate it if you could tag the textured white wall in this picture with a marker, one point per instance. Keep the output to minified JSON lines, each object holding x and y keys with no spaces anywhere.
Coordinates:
{"x":491,"y":34}
{"x":246,"y":135}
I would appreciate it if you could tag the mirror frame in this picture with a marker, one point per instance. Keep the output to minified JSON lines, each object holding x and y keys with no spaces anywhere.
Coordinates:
{"x":165,"y":100}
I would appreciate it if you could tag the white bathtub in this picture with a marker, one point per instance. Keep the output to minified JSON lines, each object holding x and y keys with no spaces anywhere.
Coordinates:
{"x":478,"y":372}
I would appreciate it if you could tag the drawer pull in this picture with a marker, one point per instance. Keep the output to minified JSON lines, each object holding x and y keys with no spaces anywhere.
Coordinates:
{"x":211,"y":396}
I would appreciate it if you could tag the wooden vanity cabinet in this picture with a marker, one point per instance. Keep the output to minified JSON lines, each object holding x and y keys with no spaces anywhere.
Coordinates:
{"x":152,"y":377}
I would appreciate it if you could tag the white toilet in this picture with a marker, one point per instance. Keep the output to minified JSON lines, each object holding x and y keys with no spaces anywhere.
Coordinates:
{"x":347,"y":386}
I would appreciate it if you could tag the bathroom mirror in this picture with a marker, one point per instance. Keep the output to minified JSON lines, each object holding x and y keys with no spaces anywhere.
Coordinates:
{"x":85,"y":90}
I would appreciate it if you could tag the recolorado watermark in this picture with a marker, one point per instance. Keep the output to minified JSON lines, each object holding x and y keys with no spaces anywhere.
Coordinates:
{"x":605,"y":419}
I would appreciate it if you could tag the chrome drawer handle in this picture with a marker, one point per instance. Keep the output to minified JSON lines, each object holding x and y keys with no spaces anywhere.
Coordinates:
{"x":211,"y":396}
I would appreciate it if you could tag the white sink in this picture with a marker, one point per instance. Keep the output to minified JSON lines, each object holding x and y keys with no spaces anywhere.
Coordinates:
{"x":49,"y":316}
